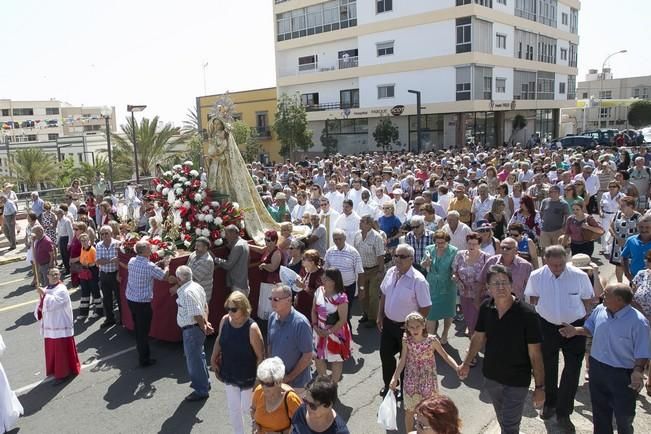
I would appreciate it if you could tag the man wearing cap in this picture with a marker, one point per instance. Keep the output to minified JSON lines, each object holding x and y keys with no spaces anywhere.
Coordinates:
{"x":279,"y":210}
{"x":553,"y":213}
{"x":462,"y":204}
{"x":9,"y":223}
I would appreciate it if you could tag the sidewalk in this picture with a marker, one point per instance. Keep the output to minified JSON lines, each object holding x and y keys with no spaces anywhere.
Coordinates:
{"x":7,"y":257}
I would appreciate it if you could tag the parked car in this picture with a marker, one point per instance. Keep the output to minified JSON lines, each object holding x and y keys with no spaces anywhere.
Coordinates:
{"x":603,"y":137}
{"x":584,"y":142}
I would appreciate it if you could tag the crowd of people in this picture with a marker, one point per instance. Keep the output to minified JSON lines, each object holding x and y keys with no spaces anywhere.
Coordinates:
{"x":501,"y":241}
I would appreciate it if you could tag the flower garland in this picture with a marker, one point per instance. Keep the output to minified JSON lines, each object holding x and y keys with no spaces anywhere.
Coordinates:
{"x":188,"y":211}
{"x":159,"y":248}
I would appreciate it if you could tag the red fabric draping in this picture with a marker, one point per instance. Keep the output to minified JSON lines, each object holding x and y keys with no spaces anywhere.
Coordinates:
{"x":163,"y":324}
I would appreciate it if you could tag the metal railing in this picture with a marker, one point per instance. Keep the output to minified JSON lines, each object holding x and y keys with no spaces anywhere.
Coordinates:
{"x":330,"y":106}
{"x":349,"y":62}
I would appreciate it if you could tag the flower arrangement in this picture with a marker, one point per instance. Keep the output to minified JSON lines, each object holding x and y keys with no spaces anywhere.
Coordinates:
{"x":189,"y":211}
{"x":159,"y":248}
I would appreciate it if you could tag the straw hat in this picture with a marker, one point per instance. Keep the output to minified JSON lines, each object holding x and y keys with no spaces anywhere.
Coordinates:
{"x":583,"y":261}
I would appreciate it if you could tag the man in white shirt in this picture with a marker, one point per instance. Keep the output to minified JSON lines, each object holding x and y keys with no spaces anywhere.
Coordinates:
{"x":367,"y":207}
{"x":526,"y":174}
{"x":380,"y":197}
{"x":591,"y":181}
{"x":481,"y":204}
{"x":348,"y":221}
{"x":355,"y":194}
{"x":457,"y":230}
{"x":562,"y":295}
{"x":347,"y":260}
{"x":329,"y":219}
{"x":318,"y":177}
{"x":400,"y":205}
{"x":335,"y":197}
{"x":301,"y":208}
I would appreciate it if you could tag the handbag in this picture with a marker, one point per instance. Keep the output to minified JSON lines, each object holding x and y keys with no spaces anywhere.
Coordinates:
{"x":85,"y":274}
{"x":332,"y":318}
{"x":589,"y":235}
{"x":75,"y":267}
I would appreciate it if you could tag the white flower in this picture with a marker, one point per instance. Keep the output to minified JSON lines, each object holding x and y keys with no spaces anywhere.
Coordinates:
{"x":198,"y":197}
{"x":203,"y":184}
{"x":203,"y":194}
{"x":208,"y":218}
{"x":214,"y":204}
{"x":183,"y":179}
{"x":236,"y":206}
{"x":205,"y":208}
{"x":186,"y":243}
{"x":188,"y":163}
{"x":194,"y":173}
{"x":176,"y":167}
{"x":188,"y":226}
{"x":176,"y":176}
{"x":167,"y":174}
{"x":154,"y":248}
{"x":219,"y":242}
{"x":179,"y":191}
{"x":165,"y":191}
{"x":201,"y":217}
{"x":186,"y":204}
{"x":218,"y":221}
{"x":159,"y":188}
{"x":198,"y":231}
{"x":241,"y":224}
{"x":205,"y":232}
{"x":177,"y":204}
{"x":187,"y":183}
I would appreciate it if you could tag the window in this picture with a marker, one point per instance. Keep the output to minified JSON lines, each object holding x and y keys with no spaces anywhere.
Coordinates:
{"x":543,"y":11}
{"x":384,"y":48}
{"x":483,"y":83}
{"x":307,"y":63}
{"x":23,"y":112}
{"x":349,"y":98}
{"x":487,"y":3}
{"x":525,"y":44}
{"x":310,"y":99}
{"x":80,"y":156}
{"x":561,"y":88}
{"x":383,"y":6}
{"x":53,"y":136}
{"x":604,"y":112}
{"x":572,"y":55}
{"x":262,"y":124}
{"x":500,"y":41}
{"x":325,"y":17}
{"x":52,"y":110}
{"x":463,"y":83}
{"x":482,"y":36}
{"x":571,"y":87}
{"x":564,"y":19}
{"x":92,"y":127}
{"x":500,"y":85}
{"x":348,"y":59}
{"x":524,"y":85}
{"x":585,"y":95}
{"x":5,"y":112}
{"x":563,"y":53}
{"x":546,"y":49}
{"x":502,"y":2}
{"x":545,"y":89}
{"x":347,"y":126}
{"x":386,"y":91}
{"x":606,"y":94}
{"x":641,"y":92}
{"x":574,"y":20}
{"x":464,"y":35}
{"x":31,"y":137}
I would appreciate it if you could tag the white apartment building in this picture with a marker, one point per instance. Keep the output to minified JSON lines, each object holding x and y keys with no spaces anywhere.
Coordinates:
{"x":477,"y":64}
{"x":75,"y":132}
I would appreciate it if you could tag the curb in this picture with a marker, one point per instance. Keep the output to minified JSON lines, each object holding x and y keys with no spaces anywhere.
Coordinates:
{"x":9,"y":260}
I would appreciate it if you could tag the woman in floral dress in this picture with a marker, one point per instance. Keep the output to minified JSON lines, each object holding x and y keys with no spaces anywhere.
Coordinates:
{"x":332,"y":335}
{"x":623,"y":226}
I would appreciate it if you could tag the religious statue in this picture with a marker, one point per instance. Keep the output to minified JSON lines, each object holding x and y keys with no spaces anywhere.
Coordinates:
{"x":228,"y":174}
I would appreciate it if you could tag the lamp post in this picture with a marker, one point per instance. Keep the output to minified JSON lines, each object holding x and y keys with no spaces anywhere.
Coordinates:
{"x":418,"y":110}
{"x":106,"y":114}
{"x":603,"y":77}
{"x":132,"y":109}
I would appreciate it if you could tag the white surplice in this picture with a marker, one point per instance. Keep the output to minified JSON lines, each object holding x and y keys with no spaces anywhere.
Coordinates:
{"x":10,"y":408}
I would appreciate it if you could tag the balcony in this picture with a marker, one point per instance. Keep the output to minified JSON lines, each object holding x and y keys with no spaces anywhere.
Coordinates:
{"x":263,"y":132}
{"x":330,"y":106}
{"x":349,"y":62}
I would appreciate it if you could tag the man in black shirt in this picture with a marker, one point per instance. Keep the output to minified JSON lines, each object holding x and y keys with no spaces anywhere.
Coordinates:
{"x":511,"y":332}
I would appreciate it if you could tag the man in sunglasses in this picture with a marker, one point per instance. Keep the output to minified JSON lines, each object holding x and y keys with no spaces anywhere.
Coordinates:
{"x":520,"y":268}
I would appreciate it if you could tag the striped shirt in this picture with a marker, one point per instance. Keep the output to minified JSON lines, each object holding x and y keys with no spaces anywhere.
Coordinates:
{"x":347,"y":260}
{"x":419,"y":244}
{"x":202,"y":268}
{"x":369,"y":248}
{"x":191,"y":301}
{"x":142,"y":272}
{"x":109,"y":252}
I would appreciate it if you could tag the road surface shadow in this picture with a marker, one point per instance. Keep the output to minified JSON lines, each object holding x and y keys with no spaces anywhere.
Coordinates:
{"x":184,"y":418}
{"x":34,"y":400}
{"x":26,"y":319}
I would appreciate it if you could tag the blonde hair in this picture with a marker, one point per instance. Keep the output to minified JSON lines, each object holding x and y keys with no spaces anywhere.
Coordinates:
{"x":240,"y":301}
{"x":416,"y":317}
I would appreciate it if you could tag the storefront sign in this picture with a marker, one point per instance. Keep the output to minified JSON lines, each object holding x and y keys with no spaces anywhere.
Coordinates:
{"x":506,"y":105}
{"x":397,"y":110}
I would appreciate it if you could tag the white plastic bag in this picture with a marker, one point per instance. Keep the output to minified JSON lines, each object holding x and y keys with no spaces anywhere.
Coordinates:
{"x":289,"y":278}
{"x":386,"y":415}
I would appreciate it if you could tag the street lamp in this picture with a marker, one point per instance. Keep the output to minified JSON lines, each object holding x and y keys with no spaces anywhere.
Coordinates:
{"x":603,"y":77}
{"x":106,"y":114}
{"x":418,"y":109}
{"x":132,"y":109}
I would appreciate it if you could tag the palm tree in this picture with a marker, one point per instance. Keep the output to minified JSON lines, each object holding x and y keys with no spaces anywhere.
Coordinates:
{"x":154,"y":143}
{"x":33,"y":166}
{"x":86,"y":171}
{"x":191,"y":124}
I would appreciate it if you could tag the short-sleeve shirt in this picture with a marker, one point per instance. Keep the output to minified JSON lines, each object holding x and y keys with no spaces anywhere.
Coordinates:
{"x":404,"y":294}
{"x":289,"y":339}
{"x":42,"y":250}
{"x":300,"y":426}
{"x":142,"y":272}
{"x":281,"y":418}
{"x":507,"y":353}
{"x":635,"y":250}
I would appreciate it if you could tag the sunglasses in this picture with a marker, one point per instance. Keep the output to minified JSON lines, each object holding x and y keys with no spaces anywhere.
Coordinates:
{"x":402,"y":256}
{"x":277,"y":299}
{"x":232,"y":309}
{"x":313,"y":405}
{"x":483,"y":230}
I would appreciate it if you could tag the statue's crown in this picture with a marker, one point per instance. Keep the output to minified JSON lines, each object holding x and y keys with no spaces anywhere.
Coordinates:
{"x":223,"y":109}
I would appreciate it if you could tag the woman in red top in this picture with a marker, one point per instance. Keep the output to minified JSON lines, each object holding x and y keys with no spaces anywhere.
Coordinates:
{"x":75,"y":252}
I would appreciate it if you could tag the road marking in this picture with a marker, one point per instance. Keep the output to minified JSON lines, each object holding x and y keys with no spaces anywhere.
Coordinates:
{"x":13,"y":281}
{"x":85,"y":366}
{"x":25,"y":303}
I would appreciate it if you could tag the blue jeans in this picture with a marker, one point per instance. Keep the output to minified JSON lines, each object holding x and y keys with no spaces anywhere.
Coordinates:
{"x":195,"y":359}
{"x":508,"y":402}
{"x":609,"y":393}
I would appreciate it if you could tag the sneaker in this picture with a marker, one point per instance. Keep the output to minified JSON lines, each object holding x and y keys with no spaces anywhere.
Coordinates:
{"x":193,"y":397}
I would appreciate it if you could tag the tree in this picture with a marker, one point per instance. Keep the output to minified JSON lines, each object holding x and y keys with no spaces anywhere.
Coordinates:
{"x":66,"y":173}
{"x":639,"y":114}
{"x":32,"y":167}
{"x":86,"y":171}
{"x":154,"y":144}
{"x":241,"y":132}
{"x":518,"y":124}
{"x":328,"y":142}
{"x":385,"y":133}
{"x":247,"y":137}
{"x":191,"y":125}
{"x":291,"y":126}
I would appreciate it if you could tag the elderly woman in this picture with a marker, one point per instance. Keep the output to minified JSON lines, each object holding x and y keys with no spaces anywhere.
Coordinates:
{"x":467,"y":268}
{"x":238,"y":351}
{"x":488,"y":243}
{"x":574,"y":227}
{"x":273,"y":403}
{"x":295,"y":260}
{"x":332,"y":336}
{"x":624,"y":225}
{"x":438,"y":415}
{"x":285,"y":240}
{"x":317,"y":413}
{"x":311,"y":278}
{"x":443,"y":290}
{"x":498,"y":218}
{"x":89,"y":281}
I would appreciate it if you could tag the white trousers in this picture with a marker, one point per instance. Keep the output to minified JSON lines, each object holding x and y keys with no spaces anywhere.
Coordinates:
{"x":239,"y":405}
{"x":606,"y":238}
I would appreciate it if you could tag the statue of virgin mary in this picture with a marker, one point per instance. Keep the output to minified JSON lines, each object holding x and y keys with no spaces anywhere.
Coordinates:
{"x":228,"y":174}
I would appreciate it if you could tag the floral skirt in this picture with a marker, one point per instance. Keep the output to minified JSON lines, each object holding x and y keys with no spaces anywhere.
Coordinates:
{"x":334,"y":347}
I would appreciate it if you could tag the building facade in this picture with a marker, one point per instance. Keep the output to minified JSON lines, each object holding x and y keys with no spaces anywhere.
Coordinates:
{"x":476,"y":63}
{"x":257,"y":109}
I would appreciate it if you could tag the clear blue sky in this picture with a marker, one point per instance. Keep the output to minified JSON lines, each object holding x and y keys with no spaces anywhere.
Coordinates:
{"x":120,"y":52}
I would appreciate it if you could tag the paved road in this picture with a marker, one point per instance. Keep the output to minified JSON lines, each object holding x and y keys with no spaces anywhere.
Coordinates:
{"x":114,"y":396}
